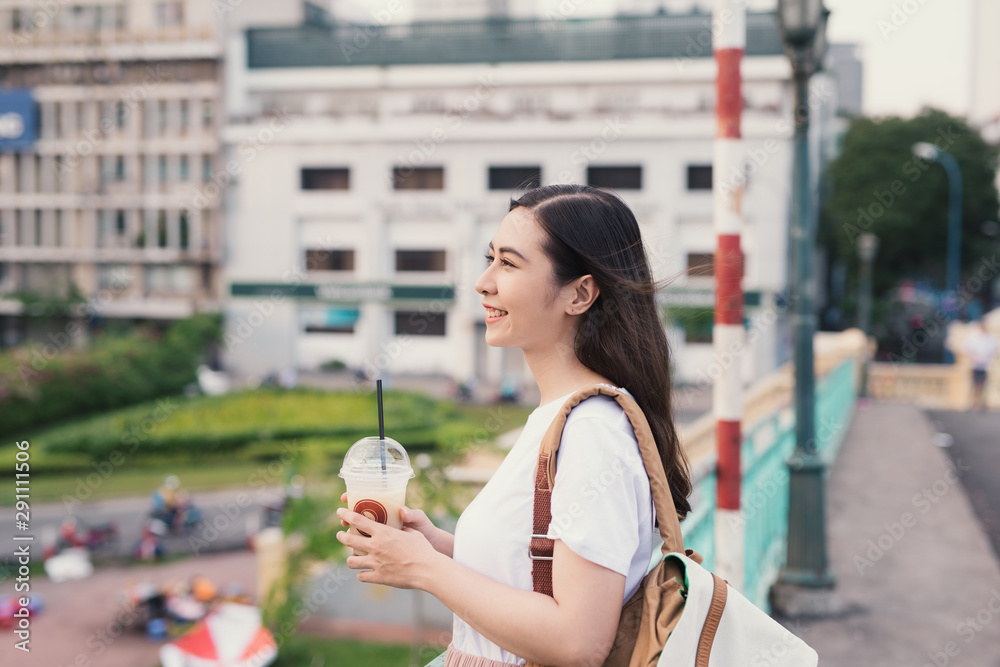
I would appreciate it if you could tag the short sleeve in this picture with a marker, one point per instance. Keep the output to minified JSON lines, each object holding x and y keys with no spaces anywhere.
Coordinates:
{"x":600,"y":482}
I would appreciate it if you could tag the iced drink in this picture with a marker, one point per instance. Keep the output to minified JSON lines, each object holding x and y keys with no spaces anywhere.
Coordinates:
{"x":376,"y":471}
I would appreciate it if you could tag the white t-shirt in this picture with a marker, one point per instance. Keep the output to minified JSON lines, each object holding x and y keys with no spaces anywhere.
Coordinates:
{"x":980,"y":346}
{"x":601,"y":507}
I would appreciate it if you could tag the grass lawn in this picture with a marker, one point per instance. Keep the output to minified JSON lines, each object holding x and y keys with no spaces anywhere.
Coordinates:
{"x":320,"y":652}
{"x":239,"y":440}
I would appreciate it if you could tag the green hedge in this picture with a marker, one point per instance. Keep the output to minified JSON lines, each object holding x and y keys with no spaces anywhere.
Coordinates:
{"x":259,"y":424}
{"x":45,"y":383}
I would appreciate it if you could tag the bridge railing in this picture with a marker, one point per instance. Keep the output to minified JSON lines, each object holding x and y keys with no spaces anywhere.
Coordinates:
{"x":768,"y":440}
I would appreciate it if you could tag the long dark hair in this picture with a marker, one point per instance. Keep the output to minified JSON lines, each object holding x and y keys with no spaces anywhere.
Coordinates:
{"x":591,"y":231}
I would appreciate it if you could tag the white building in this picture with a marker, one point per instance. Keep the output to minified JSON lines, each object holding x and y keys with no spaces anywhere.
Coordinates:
{"x":371,"y":165}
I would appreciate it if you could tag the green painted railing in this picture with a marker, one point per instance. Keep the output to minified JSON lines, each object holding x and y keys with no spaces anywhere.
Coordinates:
{"x":764,"y":500}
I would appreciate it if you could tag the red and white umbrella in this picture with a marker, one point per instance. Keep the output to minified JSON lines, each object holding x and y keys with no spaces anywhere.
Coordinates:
{"x":230,"y":636}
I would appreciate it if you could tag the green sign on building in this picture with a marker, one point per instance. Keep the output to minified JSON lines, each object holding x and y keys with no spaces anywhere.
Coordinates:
{"x":347,"y":293}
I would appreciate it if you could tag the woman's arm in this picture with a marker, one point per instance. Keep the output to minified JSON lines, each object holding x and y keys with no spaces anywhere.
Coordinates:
{"x":575,"y":627}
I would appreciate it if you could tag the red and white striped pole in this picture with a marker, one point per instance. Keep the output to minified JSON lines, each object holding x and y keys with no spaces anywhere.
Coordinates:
{"x":729,"y":39}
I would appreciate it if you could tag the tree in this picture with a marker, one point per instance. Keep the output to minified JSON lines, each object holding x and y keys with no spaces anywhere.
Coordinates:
{"x":877,"y":185}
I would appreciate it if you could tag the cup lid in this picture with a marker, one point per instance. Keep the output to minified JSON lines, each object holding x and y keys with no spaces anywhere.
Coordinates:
{"x":365,"y":459}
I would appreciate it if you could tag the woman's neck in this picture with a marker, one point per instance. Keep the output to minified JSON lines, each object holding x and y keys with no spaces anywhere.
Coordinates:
{"x":559,"y":372}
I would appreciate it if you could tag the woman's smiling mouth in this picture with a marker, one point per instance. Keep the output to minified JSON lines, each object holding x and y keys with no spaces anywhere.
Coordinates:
{"x":494,"y":314}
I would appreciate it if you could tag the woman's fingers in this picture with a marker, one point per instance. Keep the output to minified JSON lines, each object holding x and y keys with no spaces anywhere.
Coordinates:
{"x":349,"y":539}
{"x":343,"y":499}
{"x":359,"y":521}
{"x":360,"y":563}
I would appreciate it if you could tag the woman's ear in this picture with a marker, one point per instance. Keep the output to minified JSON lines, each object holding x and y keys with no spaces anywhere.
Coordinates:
{"x":582,"y":295}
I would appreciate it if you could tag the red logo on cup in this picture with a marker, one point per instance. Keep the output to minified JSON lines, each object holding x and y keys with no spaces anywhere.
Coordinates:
{"x":372,"y":509}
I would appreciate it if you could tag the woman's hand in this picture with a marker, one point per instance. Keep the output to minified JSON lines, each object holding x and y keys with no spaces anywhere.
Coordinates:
{"x":441,"y":540}
{"x":394,"y":557}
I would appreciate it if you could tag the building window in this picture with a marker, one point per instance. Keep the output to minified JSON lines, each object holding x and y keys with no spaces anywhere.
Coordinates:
{"x":57,"y":119}
{"x":326,"y":178}
{"x":700,"y":264}
{"x":120,"y":16}
{"x":120,"y":223}
{"x":420,"y":260}
{"x":169,"y":14}
{"x":169,"y":278}
{"x":330,"y":320}
{"x":161,"y":229}
{"x":182,"y":168}
{"x":699,"y":177}
{"x":38,"y":227}
{"x":119,"y":168}
{"x":420,"y":323}
{"x":184,"y":115}
{"x":184,"y":230}
{"x":121,"y":113}
{"x":420,"y":178}
{"x":161,"y":116}
{"x":114,"y":277}
{"x":206,"y":113}
{"x":206,"y":168}
{"x":514,"y":178}
{"x":161,"y":168}
{"x":320,"y":259}
{"x":617,"y":178}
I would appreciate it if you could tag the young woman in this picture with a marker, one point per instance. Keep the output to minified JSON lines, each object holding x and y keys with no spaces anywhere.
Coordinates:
{"x":568,"y":282}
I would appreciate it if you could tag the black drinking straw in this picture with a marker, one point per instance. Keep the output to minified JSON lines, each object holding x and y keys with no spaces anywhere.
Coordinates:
{"x":381,"y":423}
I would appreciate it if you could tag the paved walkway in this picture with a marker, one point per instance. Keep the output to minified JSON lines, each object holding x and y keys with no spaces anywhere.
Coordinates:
{"x":919,"y":580}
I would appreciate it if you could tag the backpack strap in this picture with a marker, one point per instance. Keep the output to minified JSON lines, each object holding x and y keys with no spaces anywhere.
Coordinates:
{"x":541,"y":547}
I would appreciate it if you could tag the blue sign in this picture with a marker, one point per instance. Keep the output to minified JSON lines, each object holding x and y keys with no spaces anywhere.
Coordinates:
{"x":18,"y":119}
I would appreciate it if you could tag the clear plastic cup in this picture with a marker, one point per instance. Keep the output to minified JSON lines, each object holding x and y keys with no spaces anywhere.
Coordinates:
{"x":376,"y":472}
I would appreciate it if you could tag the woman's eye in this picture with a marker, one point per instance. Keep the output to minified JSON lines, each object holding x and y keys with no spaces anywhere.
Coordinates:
{"x":504,"y":262}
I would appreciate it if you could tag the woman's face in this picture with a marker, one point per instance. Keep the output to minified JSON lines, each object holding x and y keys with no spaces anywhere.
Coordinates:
{"x":523,"y":305}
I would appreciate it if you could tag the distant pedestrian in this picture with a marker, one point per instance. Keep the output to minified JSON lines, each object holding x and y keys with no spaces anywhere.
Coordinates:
{"x":981,"y":346}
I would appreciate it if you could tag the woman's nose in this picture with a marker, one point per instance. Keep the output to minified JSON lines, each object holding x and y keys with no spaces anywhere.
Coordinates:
{"x":485,"y":283}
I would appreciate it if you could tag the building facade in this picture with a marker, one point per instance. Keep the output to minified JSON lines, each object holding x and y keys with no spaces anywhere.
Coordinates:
{"x":371,"y":164}
{"x":100,"y":173}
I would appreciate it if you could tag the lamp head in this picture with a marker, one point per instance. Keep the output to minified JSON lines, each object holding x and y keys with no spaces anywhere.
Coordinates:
{"x":926,"y":150}
{"x":799,"y":20}
{"x":867,"y":247}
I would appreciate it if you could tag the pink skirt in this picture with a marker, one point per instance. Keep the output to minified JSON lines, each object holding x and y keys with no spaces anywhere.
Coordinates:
{"x":456,"y":658}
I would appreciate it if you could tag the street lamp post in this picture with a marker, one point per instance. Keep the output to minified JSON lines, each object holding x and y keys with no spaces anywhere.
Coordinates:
{"x":803,"y":29}
{"x":867,"y":247}
{"x":932,"y":153}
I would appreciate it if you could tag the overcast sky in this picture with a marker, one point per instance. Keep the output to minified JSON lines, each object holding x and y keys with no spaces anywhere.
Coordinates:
{"x":924,"y":60}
